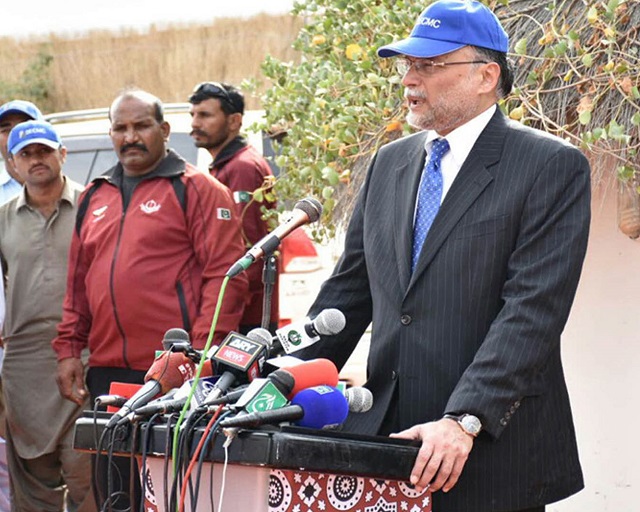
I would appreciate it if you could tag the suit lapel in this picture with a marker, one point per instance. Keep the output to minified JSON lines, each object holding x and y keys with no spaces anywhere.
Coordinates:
{"x":472,"y":179}
{"x":406,"y":185}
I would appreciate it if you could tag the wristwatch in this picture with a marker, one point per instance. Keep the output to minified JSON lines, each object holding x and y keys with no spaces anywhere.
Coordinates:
{"x":469,"y":423}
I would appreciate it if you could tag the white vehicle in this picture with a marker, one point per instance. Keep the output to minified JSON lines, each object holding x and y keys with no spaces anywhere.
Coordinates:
{"x":304,"y":265}
{"x":85,"y":134}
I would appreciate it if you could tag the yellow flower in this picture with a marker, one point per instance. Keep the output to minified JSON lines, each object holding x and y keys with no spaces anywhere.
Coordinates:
{"x":393,"y":126}
{"x":318,"y":40}
{"x":516,"y":113}
{"x":353,"y":52}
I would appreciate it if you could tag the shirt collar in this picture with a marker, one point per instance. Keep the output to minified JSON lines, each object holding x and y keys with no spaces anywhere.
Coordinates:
{"x":66,"y":196}
{"x":462,"y":139}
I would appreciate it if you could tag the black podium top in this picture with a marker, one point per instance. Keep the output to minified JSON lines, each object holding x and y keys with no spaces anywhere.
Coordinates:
{"x":282,"y":448}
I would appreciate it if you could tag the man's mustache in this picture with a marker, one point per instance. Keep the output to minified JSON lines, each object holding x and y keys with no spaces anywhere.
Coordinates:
{"x":198,"y":132}
{"x":127,"y":147}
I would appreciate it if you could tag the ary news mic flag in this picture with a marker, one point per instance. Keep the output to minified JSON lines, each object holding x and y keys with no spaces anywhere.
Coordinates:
{"x":304,"y":212}
{"x":239,"y":360}
{"x":305,"y":332}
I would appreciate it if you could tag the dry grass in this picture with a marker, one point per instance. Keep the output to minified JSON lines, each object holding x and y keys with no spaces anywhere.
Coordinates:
{"x":88,"y":72}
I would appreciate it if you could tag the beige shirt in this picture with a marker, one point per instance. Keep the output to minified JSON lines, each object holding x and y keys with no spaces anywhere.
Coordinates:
{"x":34,"y":253}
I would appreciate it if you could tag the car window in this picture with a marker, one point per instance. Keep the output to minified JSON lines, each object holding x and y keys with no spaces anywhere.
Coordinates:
{"x":90,"y":156}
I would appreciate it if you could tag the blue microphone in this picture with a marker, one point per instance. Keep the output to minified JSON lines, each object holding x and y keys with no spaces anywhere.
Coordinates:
{"x":317,"y":407}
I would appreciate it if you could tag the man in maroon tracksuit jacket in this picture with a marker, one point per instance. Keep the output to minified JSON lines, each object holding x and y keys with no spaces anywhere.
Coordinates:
{"x":217,"y":110}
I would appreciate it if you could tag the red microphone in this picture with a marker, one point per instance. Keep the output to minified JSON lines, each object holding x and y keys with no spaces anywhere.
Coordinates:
{"x":316,"y":372}
{"x":169,"y":370}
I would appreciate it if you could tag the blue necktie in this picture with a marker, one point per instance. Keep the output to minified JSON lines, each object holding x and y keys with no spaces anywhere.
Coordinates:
{"x":429,"y":196}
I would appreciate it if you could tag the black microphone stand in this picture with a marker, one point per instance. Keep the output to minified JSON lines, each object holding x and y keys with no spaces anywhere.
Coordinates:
{"x":269,"y":276}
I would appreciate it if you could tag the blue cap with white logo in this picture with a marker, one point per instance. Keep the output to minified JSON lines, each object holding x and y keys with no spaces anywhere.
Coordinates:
{"x":20,"y":107}
{"x":33,"y":132}
{"x":448,"y":25}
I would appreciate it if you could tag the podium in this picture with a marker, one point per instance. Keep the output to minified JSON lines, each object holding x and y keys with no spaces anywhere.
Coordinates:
{"x":287,"y":469}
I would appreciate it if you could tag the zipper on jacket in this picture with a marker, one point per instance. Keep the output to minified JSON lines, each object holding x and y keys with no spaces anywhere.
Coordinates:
{"x":184,"y":310}
{"x":112,"y":287}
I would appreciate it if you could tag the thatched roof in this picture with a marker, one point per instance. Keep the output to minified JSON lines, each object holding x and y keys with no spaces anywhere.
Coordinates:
{"x":586,"y":56}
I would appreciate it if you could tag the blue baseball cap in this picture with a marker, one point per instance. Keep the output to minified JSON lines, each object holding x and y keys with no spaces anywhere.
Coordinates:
{"x":448,"y":25}
{"x":33,"y":132}
{"x":20,"y":107}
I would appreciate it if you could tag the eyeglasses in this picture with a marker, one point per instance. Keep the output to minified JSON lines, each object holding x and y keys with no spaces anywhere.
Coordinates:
{"x":427,"y":67}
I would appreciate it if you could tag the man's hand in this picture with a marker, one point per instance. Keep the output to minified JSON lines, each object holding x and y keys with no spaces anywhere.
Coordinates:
{"x":70,"y":380}
{"x":444,"y":452}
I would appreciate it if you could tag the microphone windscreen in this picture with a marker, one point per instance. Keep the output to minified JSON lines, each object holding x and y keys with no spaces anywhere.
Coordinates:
{"x":170,"y":370}
{"x":283,"y":381}
{"x":323,"y":406}
{"x":175,"y":336}
{"x":316,"y":372}
{"x":311,"y":207}
{"x":359,"y":399}
{"x":261,"y":335}
{"x":329,"y":322}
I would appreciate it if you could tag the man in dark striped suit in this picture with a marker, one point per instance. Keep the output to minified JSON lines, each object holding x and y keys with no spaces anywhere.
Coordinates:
{"x":464,"y":252}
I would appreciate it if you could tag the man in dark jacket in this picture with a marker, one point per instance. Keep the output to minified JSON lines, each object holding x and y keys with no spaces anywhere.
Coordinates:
{"x":464,"y":251}
{"x":217,"y":111}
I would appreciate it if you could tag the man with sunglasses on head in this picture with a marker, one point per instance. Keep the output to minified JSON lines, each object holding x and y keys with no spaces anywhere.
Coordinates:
{"x":216,"y":111}
{"x":464,"y":251}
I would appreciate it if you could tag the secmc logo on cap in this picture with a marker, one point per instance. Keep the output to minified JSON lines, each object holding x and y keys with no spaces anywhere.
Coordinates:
{"x":36,"y":130}
{"x":430,"y":22}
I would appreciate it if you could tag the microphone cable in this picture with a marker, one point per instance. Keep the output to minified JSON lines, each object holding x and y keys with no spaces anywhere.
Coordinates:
{"x":144,"y":450}
{"x":132,"y":469}
{"x":198,"y":457}
{"x":165,"y":465}
{"x":182,"y":457}
{"x":196,"y":378}
{"x":112,"y":497}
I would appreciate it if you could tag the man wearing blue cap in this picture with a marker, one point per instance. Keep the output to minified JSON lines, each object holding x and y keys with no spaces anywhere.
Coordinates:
{"x":12,"y":113}
{"x":464,"y":251}
{"x":35,"y":235}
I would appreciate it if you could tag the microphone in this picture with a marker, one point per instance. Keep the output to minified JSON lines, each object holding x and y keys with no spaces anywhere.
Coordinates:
{"x":305,"y":374}
{"x":315,"y":372}
{"x":175,"y":399}
{"x":112,"y":400}
{"x":304,"y":212}
{"x":317,"y":407}
{"x":261,"y":334}
{"x":305,"y":332}
{"x":359,"y":399}
{"x":240,"y":359}
{"x":169,"y":370}
{"x":176,"y":339}
{"x":268,"y":393}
